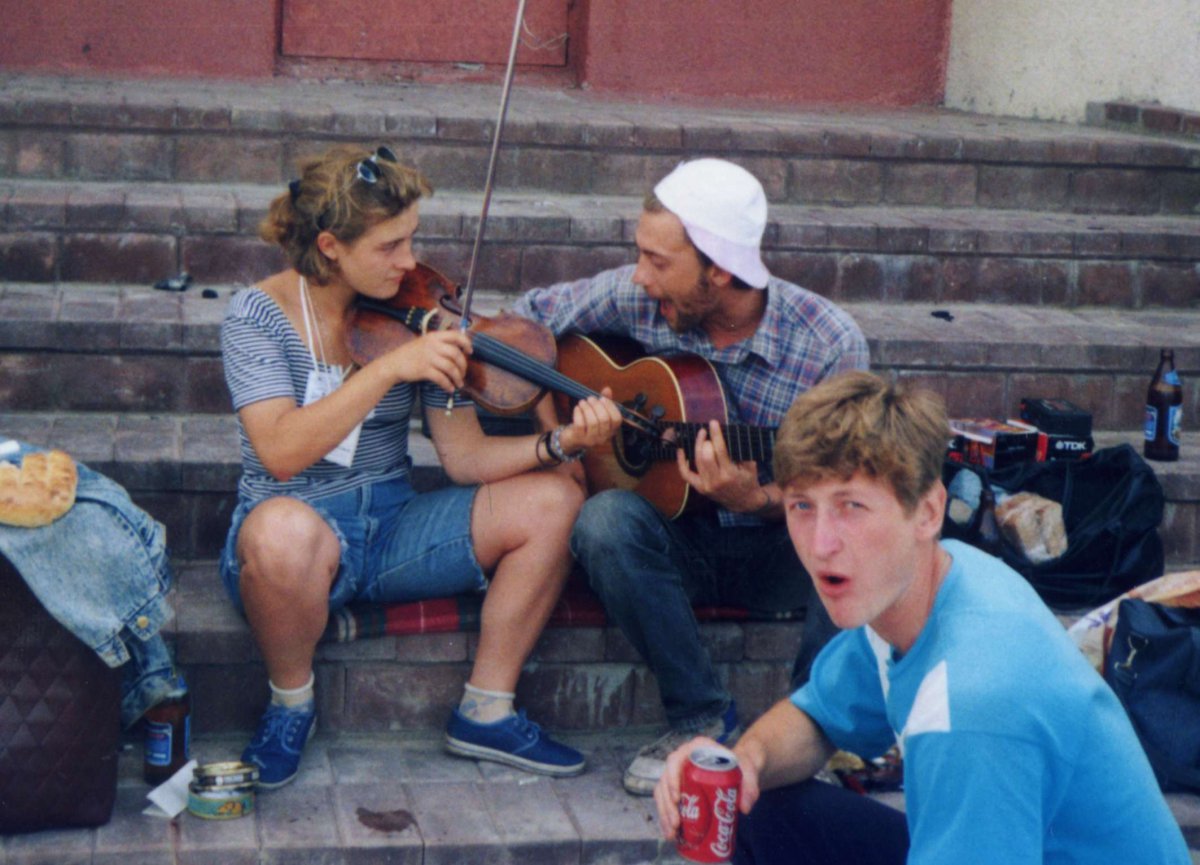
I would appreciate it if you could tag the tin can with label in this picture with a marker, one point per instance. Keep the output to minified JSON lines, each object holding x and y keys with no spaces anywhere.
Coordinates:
{"x":708,"y":799}
{"x":222,"y":791}
{"x":229,"y":774}
{"x":220,"y":803}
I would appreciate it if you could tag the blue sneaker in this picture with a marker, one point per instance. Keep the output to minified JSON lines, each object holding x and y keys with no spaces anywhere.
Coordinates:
{"x":647,"y":767}
{"x":514,"y":740}
{"x":278,"y":742}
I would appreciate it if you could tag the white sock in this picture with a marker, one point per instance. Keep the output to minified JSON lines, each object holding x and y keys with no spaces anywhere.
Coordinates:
{"x":485,"y":707}
{"x":293,"y":697}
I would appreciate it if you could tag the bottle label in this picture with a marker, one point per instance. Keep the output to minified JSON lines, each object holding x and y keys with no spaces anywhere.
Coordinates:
{"x":158,"y":743}
{"x":1172,"y":377}
{"x":1151,"y":423}
{"x":1174,"y":424}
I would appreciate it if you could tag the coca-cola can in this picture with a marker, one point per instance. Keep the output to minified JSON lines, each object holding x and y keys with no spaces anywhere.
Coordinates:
{"x":708,"y":798}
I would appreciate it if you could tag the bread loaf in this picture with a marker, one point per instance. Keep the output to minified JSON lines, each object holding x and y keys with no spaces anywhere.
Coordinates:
{"x":1034,"y":525}
{"x":40,"y":491}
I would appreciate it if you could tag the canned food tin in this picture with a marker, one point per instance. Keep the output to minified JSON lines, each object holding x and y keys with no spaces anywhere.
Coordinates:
{"x":708,"y":798}
{"x":224,"y":803}
{"x":229,"y":774}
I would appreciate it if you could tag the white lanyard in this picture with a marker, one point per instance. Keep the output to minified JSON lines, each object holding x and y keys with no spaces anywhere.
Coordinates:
{"x":324,"y":379}
{"x":310,"y":320}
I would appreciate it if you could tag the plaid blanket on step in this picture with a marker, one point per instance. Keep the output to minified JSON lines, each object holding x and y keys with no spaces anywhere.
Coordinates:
{"x":577,"y":608}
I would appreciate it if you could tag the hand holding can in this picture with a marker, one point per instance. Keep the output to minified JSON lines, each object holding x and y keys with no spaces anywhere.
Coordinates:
{"x":708,"y":800}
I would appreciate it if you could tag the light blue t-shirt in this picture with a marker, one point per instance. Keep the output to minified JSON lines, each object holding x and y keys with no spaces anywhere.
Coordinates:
{"x":1015,"y":749}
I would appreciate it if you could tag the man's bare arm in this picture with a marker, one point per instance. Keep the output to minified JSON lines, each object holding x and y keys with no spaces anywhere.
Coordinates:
{"x":782,"y":747}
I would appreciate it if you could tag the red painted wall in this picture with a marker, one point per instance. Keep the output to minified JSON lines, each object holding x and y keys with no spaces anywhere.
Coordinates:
{"x":207,"y":38}
{"x":799,"y":51}
{"x":475,"y":31}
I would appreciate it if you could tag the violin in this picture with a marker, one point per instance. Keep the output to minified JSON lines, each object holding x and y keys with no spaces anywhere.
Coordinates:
{"x":428,"y":301}
{"x":512,"y":364}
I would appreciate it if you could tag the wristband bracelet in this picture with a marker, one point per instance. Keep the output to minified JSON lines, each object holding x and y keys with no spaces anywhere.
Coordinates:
{"x":544,"y":441}
{"x":554,"y":447}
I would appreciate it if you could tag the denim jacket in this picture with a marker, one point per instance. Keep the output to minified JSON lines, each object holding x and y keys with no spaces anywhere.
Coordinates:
{"x":101,"y":570}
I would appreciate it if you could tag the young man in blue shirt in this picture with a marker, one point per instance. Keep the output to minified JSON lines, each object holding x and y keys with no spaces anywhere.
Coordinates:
{"x":1015,"y":750}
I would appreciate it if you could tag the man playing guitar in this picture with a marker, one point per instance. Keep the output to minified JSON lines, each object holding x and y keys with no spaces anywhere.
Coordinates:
{"x":700,"y":287}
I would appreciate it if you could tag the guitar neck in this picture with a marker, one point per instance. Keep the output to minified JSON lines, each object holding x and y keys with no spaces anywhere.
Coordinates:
{"x":745,"y":442}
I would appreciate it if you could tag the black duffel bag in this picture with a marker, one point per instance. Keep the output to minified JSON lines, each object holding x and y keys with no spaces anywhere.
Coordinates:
{"x":59,"y":720}
{"x":1154,"y":668}
{"x":1112,"y":505}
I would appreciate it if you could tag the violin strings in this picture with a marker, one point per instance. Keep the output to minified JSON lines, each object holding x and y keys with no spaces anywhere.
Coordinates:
{"x":515,"y":361}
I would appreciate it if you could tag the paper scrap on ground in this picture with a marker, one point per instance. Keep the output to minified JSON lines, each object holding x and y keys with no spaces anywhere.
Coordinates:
{"x":170,"y":797}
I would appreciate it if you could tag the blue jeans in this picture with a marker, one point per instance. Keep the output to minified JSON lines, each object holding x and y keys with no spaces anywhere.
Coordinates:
{"x":397,"y":545}
{"x":649,"y":571}
{"x":819,"y":824}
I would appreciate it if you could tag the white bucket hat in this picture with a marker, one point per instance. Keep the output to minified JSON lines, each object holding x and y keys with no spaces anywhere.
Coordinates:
{"x":724,"y":210}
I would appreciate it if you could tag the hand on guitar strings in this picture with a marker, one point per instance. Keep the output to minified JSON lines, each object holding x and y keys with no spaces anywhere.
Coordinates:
{"x":733,"y":485}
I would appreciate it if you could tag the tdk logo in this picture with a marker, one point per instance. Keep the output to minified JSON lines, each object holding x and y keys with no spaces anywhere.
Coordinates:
{"x":1070,"y":446}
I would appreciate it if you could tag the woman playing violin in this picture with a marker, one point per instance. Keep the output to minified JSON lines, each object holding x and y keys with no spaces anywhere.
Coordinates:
{"x":326,"y":512}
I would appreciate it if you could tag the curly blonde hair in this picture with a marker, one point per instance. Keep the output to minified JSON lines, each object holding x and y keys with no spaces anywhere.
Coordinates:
{"x":330,"y":195}
{"x":858,"y":421}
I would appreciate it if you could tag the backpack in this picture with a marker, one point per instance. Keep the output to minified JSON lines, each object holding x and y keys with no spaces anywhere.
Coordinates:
{"x":1154,"y":668}
{"x":1112,"y":504}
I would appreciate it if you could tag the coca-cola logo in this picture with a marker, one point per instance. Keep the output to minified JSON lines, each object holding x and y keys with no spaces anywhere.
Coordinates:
{"x":689,"y":806}
{"x":725,"y":810}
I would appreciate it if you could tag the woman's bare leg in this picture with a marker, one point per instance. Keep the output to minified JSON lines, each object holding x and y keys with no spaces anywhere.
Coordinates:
{"x":289,"y":558}
{"x":521,"y":528}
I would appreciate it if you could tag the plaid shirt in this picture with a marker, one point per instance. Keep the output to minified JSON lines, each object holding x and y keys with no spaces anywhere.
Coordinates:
{"x":802,"y":339}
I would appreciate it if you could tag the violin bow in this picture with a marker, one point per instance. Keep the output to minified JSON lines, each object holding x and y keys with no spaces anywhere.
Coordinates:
{"x":468,"y":291}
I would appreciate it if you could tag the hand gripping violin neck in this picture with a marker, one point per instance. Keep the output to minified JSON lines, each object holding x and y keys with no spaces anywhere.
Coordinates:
{"x":509,"y":351}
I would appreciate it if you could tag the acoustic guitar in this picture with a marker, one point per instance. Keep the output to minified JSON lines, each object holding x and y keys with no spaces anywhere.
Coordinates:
{"x":679,"y":393}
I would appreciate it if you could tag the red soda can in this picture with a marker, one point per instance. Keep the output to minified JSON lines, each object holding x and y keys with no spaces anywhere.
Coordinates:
{"x":708,"y":798}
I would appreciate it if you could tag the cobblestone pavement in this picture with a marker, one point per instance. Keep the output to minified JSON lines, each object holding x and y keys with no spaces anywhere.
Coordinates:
{"x":379,"y":799}
{"x":376,"y":799}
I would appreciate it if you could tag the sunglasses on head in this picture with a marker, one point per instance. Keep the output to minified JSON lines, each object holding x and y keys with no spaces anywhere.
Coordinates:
{"x":368,"y":169}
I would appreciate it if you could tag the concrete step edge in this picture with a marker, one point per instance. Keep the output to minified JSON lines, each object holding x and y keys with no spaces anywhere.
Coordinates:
{"x":357,"y":110}
{"x":222,"y":207}
{"x":163,"y":452}
{"x":135,"y":321}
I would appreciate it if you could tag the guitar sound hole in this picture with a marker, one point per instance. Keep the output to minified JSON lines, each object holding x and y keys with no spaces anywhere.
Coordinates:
{"x":634,"y":452}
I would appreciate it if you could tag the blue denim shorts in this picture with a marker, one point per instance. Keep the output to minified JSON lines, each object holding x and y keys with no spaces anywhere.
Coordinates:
{"x":397,"y":545}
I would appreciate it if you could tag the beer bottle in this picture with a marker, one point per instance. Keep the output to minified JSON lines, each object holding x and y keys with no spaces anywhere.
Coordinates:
{"x":168,"y":734}
{"x":1164,"y":408}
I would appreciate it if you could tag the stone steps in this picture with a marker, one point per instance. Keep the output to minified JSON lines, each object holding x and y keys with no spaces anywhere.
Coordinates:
{"x":571,"y":141}
{"x":87,"y":347}
{"x":184,"y":469}
{"x":462,"y":812}
{"x":141,"y":232}
{"x":1065,"y":257}
{"x":111,"y":181}
{"x":577,"y":678}
{"x":129,"y":380}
